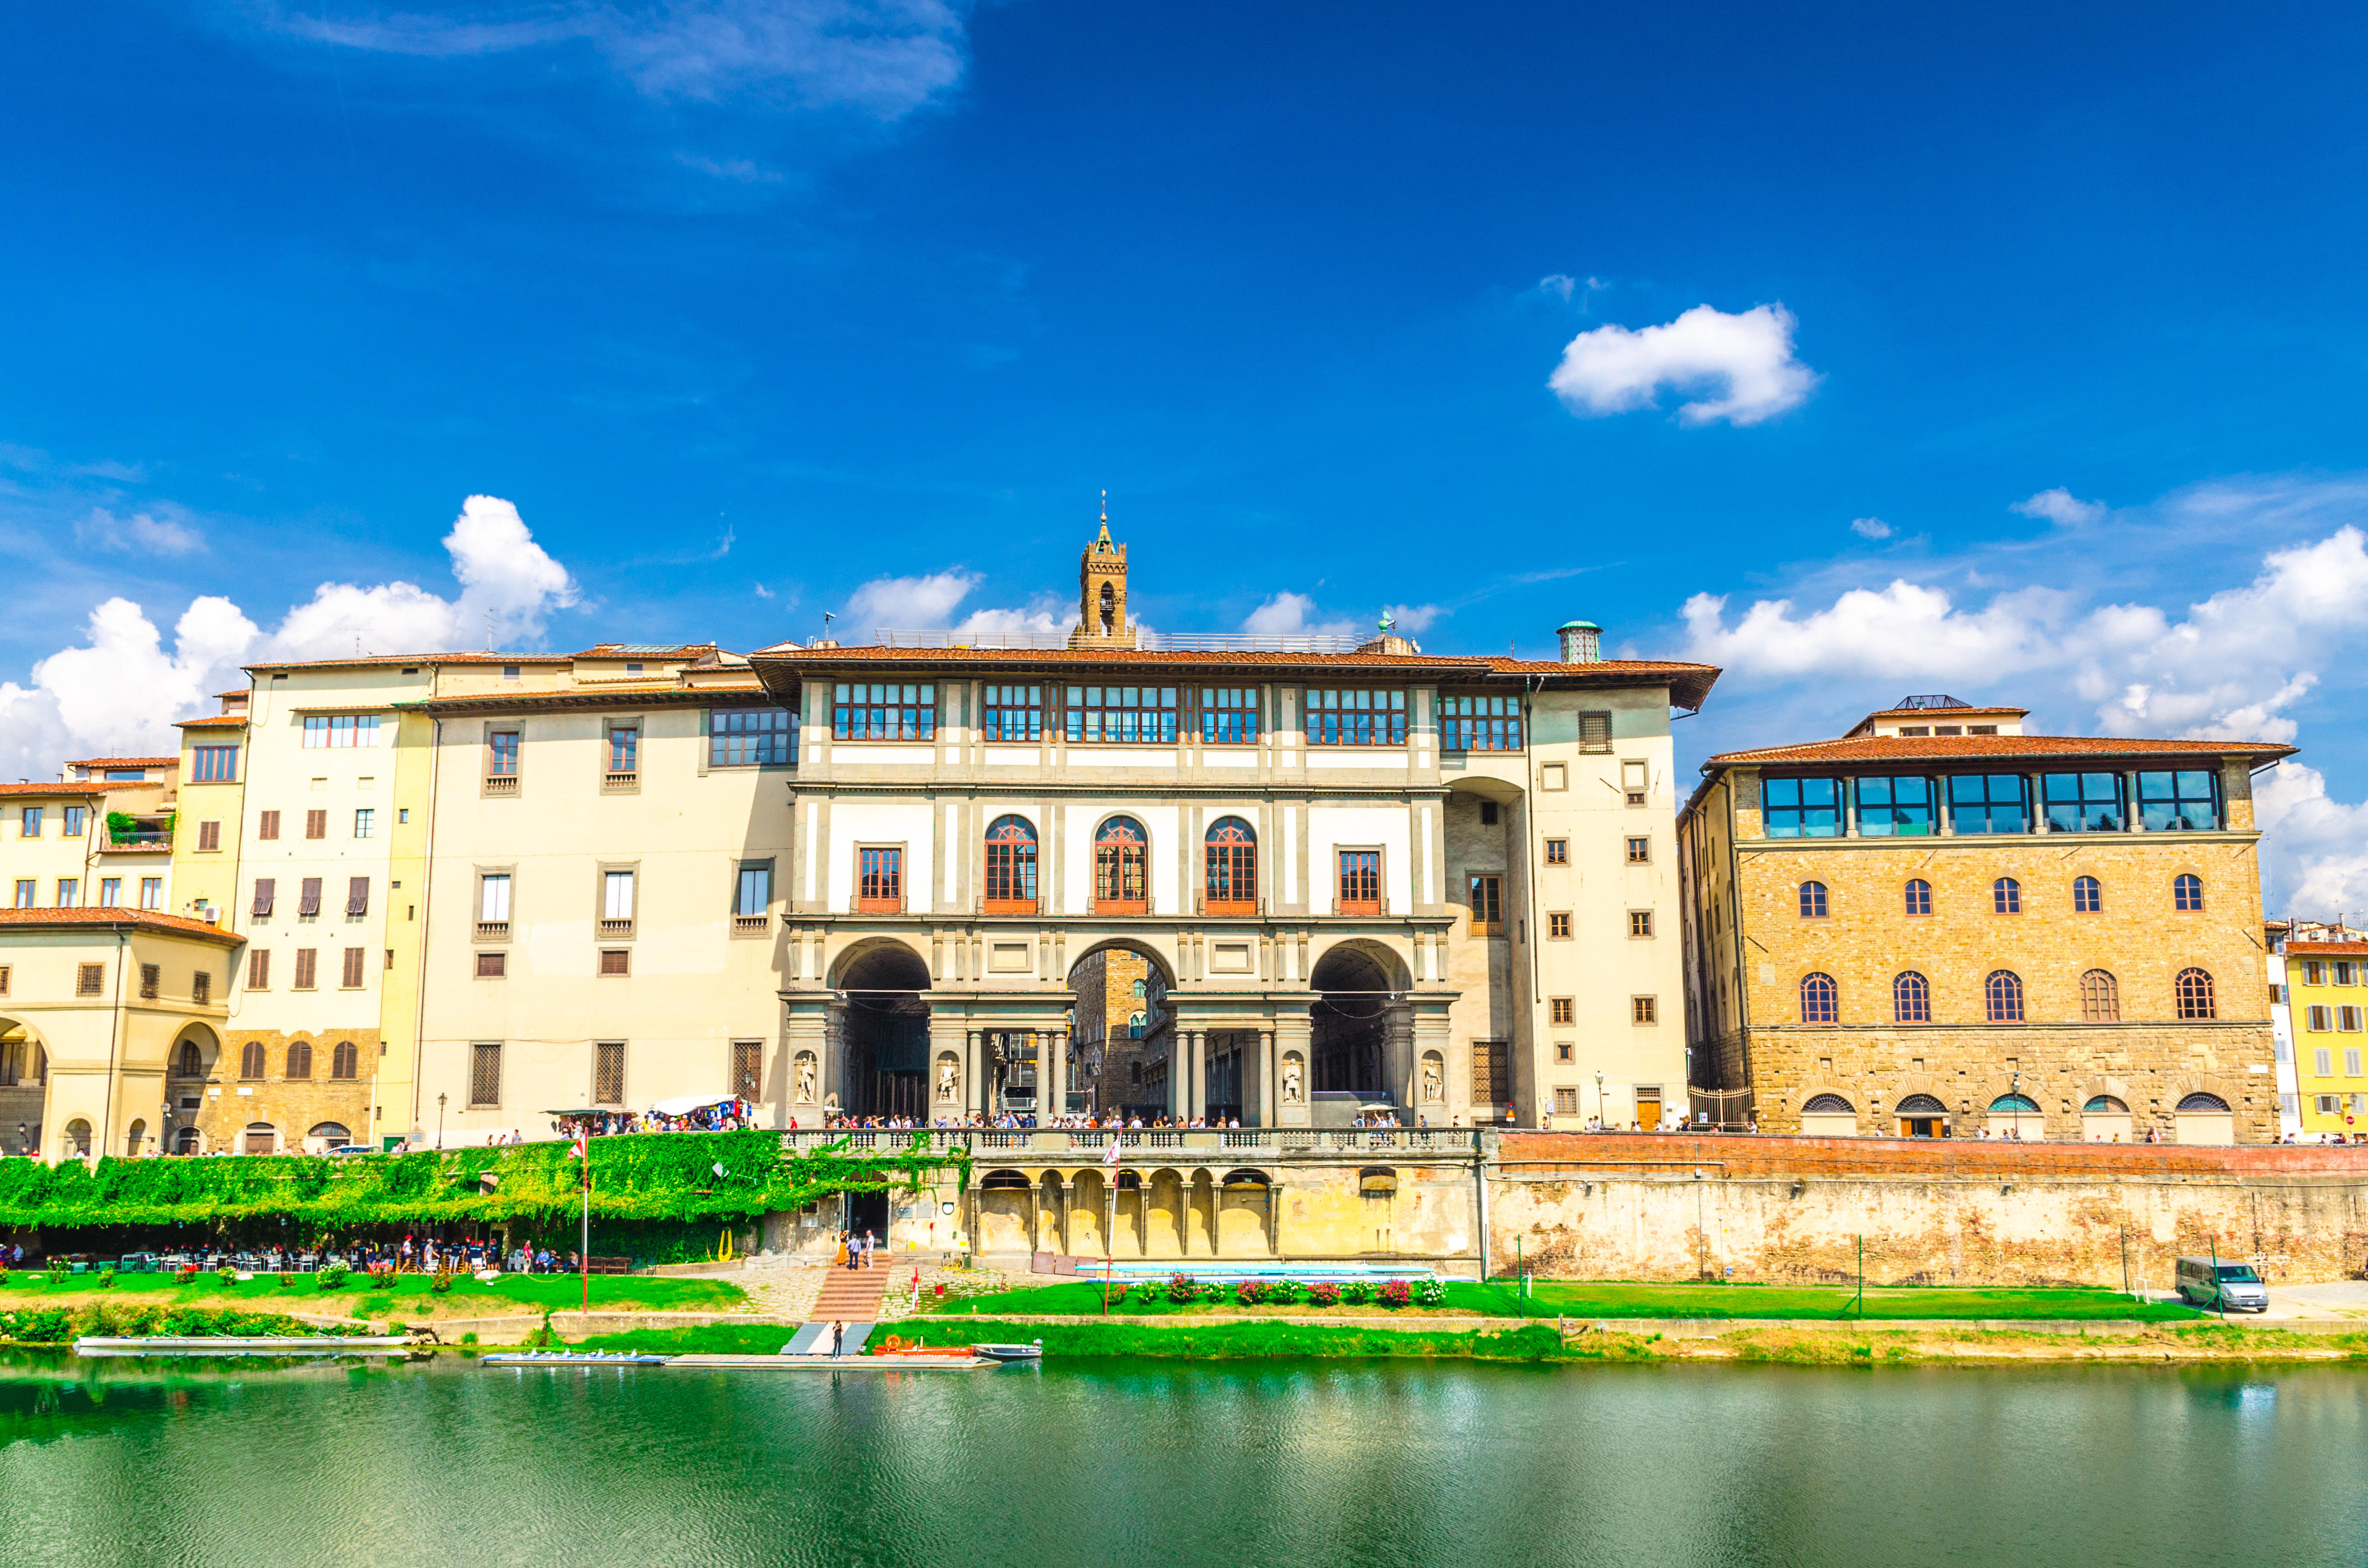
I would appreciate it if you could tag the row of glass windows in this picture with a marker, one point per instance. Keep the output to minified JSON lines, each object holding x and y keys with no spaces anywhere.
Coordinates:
{"x":752,"y":894}
{"x":33,"y":819}
{"x":1159,"y":714}
{"x":2002,"y":998}
{"x":1910,"y":806}
{"x":2006,"y":896}
{"x":2341,"y":971}
{"x":736,"y":737}
{"x":26,"y":893}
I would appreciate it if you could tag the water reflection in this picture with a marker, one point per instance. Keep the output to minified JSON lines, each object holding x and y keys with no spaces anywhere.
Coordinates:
{"x":1285,"y":1464}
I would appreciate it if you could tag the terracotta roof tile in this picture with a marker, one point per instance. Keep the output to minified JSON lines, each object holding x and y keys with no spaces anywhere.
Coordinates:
{"x":115,"y":917}
{"x":369,"y":661}
{"x":125,"y":762}
{"x":602,"y":696}
{"x":33,"y":791}
{"x":215,"y":721}
{"x":2316,"y":949}
{"x":1969,"y":748}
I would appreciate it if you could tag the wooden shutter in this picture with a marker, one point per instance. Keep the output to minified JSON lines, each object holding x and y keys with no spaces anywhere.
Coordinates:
{"x":357,"y":895}
{"x":267,"y":824}
{"x":308,"y":896}
{"x":210,"y":836}
{"x":1491,"y":1073}
{"x":747,"y":1067}
{"x":608,"y":1074}
{"x":353,"y":967}
{"x":308,"y":962}
{"x":259,"y":969}
{"x":263,"y":887}
{"x":485,"y":1074}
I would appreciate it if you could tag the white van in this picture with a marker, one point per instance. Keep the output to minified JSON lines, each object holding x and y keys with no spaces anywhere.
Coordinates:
{"x":2233,"y":1286}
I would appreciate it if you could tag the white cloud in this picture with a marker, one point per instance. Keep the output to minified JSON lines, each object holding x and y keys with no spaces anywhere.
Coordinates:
{"x":885,"y":58}
{"x":2316,"y":847}
{"x":927,"y":603}
{"x":1293,"y":614}
{"x":1414,"y":618}
{"x":164,"y":529}
{"x":120,"y":689}
{"x":1741,"y":366}
{"x":2060,"y":506}
{"x":1870,"y":528}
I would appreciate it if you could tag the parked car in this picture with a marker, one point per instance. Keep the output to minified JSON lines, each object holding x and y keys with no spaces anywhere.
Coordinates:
{"x":2229,"y":1287}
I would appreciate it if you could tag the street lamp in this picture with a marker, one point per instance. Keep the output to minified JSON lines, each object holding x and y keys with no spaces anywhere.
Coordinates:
{"x":439,"y":1124}
{"x":1602,"y":1122}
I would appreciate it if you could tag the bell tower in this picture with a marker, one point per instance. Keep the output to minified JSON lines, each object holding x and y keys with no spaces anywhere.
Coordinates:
{"x":1101,"y":592}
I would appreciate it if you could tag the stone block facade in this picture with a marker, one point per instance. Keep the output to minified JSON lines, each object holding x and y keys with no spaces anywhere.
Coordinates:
{"x":229,"y":1105}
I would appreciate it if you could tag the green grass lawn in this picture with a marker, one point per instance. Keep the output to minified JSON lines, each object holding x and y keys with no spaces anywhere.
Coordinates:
{"x":719,"y":1340}
{"x":1569,"y":1298}
{"x":409,"y":1298}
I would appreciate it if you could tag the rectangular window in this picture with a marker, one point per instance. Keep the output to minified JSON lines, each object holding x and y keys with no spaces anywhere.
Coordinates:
{"x":1566,"y":1101}
{"x":259,"y":969}
{"x":883,"y":711}
{"x":494,"y":904}
{"x":308,"y":968}
{"x":493,"y":966}
{"x":352,"y":978}
{"x":747,"y":1068}
{"x":213,"y":764}
{"x":209,"y":836}
{"x":1644,"y":1009}
{"x":1640,"y":923}
{"x":316,"y":824}
{"x":1640,"y":851}
{"x":1229,"y":715}
{"x":1896,"y":808}
{"x":69,"y":891}
{"x":1479,"y":723}
{"x":90,"y":980}
{"x":2323,"y":1061}
{"x":31,"y":827}
{"x":881,"y":886}
{"x":616,"y":961}
{"x":1595,"y":733}
{"x":365,"y":822}
{"x":624,"y":752}
{"x":609,"y":1073}
{"x":308,"y":896}
{"x":1562,"y":1010}
{"x":752,"y":896}
{"x":202,"y":988}
{"x":616,"y":902}
{"x":267,"y":826}
{"x":74,"y":823}
{"x":1558,"y":924}
{"x":1356,"y":718}
{"x":2348,"y":1020}
{"x":151,"y":892}
{"x":751,"y":737}
{"x":2313,"y":973}
{"x":110,"y":890}
{"x":357,"y":897}
{"x":1557,"y":851}
{"x":1800,"y":808}
{"x":2351,"y":1063}
{"x":2083,"y":802}
{"x":2330,"y":1105}
{"x":152,"y":981}
{"x":28,"y":894}
{"x":340,"y":731}
{"x":2174,"y":802}
{"x":1120,"y":713}
{"x":1566,"y":1051}
{"x":2342,"y":972}
{"x":1360,"y":881}
{"x":501,"y":754}
{"x":265,"y":887}
{"x":1492,"y":1077}
{"x":1989,"y":802}
{"x":1015,"y":713}
{"x":6,"y":971}
{"x":484,"y":1073}
{"x":1487,"y":905}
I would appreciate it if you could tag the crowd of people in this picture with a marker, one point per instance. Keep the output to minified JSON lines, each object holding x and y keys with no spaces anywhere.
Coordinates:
{"x":724,"y":1116}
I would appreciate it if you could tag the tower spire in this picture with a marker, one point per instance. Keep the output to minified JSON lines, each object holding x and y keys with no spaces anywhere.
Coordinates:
{"x":1104,"y":542}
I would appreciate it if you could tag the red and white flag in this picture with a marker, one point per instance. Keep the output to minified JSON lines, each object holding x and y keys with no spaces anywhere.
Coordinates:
{"x":1110,"y":1159}
{"x":581,"y":1153}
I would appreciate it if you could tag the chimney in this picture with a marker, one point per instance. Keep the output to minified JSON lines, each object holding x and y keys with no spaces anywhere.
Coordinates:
{"x":1582,"y":642}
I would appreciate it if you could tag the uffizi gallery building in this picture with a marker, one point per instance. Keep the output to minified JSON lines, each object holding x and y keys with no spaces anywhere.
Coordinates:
{"x":1283,"y":881}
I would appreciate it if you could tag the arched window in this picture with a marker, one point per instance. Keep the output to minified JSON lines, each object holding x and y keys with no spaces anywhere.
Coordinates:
{"x":1812,"y":901}
{"x":1920,"y":896}
{"x":2016,"y":1105}
{"x":2002,"y":995}
{"x":2194,"y":989}
{"x":1820,"y":999}
{"x":2187,"y":893}
{"x":2088,"y":895}
{"x":185,"y":1142}
{"x":1136,"y":1024}
{"x":1911,"y":999}
{"x":1828,"y":1105}
{"x":345,"y":1061}
{"x":1010,"y":867}
{"x":1121,"y":868}
{"x":1142,"y":989}
{"x":2105,"y":1104}
{"x":332,"y":1134}
{"x":2006,"y":896}
{"x":2101,"y":998}
{"x":2200,"y":1101}
{"x":193,"y":1061}
{"x":299,"y":1060}
{"x":250,"y":1060}
{"x":1232,"y":884}
{"x":1921,"y":1104}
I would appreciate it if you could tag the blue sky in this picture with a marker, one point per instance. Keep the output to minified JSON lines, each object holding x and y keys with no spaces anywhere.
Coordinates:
{"x":754,"y":311}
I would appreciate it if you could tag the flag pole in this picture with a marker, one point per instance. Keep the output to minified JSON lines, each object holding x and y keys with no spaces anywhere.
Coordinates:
{"x":584,"y":1256}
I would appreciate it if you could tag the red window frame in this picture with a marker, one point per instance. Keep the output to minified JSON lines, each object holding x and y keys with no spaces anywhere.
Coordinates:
{"x":1230,"y":885}
{"x":1121,"y":868}
{"x":1010,"y":867}
{"x":1360,"y":881}
{"x":879,"y":886}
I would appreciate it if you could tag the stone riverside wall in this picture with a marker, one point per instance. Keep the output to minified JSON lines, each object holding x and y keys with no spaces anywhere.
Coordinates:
{"x":1952,"y":1211}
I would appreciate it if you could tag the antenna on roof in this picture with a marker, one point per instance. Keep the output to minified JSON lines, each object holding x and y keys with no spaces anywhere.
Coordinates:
{"x":489,"y":631}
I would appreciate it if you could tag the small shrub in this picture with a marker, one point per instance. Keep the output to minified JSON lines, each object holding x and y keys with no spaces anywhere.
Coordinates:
{"x":332,"y":1277}
{"x":1431,"y":1292}
{"x":442,"y":1283}
{"x":106,"y":1278}
{"x":1357,"y":1292}
{"x":288,"y":1281}
{"x":468,"y":1339}
{"x":4,"y":1277}
{"x":1325,"y":1293}
{"x":1396,"y":1293}
{"x":1249,"y":1292}
{"x":226,"y":1274}
{"x":1283,"y":1291}
{"x":1182,"y":1288}
{"x":1213,"y":1291}
{"x":382,"y":1275}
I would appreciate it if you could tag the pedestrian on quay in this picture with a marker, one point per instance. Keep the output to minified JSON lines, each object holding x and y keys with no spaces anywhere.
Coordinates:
{"x":837,"y":1336}
{"x":870,"y":1246}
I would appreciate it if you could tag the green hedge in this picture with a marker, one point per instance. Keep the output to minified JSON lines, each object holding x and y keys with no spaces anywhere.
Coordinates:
{"x":649,"y":1176}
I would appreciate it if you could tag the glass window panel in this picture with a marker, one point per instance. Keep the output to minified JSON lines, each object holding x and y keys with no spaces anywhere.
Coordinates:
{"x":2172,"y":802}
{"x":1802,"y":808}
{"x":751,"y":737}
{"x":885,"y":712}
{"x":1361,"y":718}
{"x":1894,"y":808}
{"x":1997,"y":802}
{"x":2084,"y":802}
{"x":1479,"y":723}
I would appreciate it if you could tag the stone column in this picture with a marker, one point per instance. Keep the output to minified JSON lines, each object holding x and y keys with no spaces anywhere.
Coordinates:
{"x":1053,"y":1072}
{"x":1267,"y":1070}
{"x":973,"y":1087}
{"x":1397,"y":1054}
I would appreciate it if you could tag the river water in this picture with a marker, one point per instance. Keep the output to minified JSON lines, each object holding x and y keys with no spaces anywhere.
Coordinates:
{"x":1154,"y":1465}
